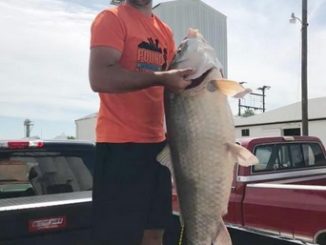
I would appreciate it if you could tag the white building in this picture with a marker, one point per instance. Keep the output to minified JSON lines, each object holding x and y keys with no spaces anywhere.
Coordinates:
{"x":182,"y":14}
{"x":85,"y":127}
{"x":285,"y":121}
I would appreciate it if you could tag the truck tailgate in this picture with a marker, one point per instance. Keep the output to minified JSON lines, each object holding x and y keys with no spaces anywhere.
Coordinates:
{"x":46,"y":219}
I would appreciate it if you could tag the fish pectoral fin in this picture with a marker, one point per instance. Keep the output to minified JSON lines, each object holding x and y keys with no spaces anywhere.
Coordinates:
{"x":223,"y":236}
{"x":231,"y":88}
{"x":242,"y":155}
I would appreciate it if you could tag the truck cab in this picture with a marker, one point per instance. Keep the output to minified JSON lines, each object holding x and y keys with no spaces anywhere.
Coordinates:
{"x":285,"y":193}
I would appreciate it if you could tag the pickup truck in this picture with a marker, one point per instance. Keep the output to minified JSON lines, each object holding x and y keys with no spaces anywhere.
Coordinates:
{"x":45,"y":191}
{"x":284,"y":195}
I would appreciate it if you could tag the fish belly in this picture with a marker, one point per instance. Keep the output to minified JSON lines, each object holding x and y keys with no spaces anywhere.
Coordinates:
{"x":198,"y":128}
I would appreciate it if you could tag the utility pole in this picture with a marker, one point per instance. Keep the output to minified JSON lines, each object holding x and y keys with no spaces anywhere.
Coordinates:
{"x":28,"y":124}
{"x":263,"y":88}
{"x":304,"y":73}
{"x":239,"y":102}
{"x":263,"y":95}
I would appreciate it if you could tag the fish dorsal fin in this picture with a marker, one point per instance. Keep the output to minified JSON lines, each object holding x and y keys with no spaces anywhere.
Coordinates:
{"x":231,"y":88}
{"x":242,"y":155}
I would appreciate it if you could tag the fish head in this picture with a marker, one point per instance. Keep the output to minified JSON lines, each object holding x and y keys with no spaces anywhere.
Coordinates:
{"x":196,"y":53}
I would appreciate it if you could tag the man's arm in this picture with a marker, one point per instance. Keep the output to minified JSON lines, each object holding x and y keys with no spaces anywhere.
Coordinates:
{"x":106,"y":75}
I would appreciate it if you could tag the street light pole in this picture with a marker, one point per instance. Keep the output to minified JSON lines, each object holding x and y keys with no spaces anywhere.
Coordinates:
{"x":304,"y":73}
{"x":263,"y":88}
{"x":239,"y":102}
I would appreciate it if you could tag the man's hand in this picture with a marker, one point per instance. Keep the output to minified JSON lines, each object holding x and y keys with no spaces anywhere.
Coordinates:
{"x":174,"y":80}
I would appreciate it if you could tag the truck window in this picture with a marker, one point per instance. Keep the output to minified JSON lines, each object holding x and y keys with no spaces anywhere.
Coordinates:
{"x":263,"y":153}
{"x":297,"y":156}
{"x":284,"y":156}
{"x":39,"y":173}
{"x":271,"y":157}
{"x":313,"y":155}
{"x":288,"y":155}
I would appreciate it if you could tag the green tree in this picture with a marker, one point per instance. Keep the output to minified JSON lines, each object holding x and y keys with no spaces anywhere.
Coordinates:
{"x":248,"y":113}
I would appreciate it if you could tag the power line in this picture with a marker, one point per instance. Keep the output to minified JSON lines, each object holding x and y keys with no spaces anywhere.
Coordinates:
{"x":261,"y":95}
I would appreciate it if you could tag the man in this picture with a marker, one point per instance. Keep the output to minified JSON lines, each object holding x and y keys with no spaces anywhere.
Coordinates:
{"x":130,"y":50}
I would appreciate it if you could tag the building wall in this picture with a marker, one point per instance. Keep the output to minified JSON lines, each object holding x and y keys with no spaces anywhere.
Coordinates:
{"x":182,"y":14}
{"x":85,"y":129}
{"x":316,"y":128}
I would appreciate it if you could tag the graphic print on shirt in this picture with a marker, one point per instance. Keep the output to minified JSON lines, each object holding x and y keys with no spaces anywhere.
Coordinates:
{"x":151,"y":57}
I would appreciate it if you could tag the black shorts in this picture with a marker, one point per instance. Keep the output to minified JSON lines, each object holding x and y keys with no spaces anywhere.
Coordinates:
{"x":131,"y":192}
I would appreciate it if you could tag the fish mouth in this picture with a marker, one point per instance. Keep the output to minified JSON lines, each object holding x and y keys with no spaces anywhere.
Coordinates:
{"x":199,"y":80}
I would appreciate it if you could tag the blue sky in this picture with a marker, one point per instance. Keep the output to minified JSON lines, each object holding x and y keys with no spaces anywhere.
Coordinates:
{"x":44,"y":50}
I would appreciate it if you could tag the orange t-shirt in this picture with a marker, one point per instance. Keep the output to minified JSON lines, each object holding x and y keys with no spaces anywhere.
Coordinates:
{"x":146,"y":45}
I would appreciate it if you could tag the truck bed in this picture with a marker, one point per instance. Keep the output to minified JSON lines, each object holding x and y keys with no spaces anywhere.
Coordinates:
{"x":285,"y":204}
{"x":51,"y":219}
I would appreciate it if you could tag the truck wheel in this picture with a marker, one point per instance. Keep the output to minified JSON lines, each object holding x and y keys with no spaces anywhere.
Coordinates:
{"x":173,"y":233}
{"x":321,"y":239}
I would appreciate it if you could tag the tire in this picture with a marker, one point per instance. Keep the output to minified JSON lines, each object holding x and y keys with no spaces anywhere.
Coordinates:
{"x":321,"y":239}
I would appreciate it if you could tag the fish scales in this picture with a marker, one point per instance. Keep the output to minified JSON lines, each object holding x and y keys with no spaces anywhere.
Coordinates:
{"x":202,"y":143}
{"x":198,"y":130}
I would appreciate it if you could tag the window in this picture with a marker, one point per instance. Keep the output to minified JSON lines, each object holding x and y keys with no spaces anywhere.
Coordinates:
{"x":263,"y":153}
{"x":313,"y":155}
{"x":296,"y":156}
{"x":288,"y":155}
{"x":39,"y":173}
{"x":245,"y":132}
{"x":291,"y":131}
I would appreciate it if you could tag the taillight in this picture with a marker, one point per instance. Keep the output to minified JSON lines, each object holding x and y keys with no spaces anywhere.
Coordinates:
{"x":17,"y":145}
{"x":21,"y":144}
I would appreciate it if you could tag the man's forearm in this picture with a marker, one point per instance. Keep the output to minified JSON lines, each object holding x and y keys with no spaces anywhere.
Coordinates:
{"x":115,"y":79}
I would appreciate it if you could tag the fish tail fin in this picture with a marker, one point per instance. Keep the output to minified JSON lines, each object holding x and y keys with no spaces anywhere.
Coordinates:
{"x":232,"y":88}
{"x":242,"y":155}
{"x":223,"y":236}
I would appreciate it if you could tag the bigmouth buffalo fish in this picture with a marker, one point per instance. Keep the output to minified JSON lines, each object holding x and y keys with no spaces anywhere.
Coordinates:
{"x":201,"y":138}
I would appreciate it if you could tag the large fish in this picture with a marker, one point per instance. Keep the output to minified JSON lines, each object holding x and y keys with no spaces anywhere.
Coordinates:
{"x":201,"y":137}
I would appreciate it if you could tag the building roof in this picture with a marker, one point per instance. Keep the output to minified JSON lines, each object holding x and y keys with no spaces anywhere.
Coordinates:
{"x":187,"y":2}
{"x":93,"y":115}
{"x":289,"y":113}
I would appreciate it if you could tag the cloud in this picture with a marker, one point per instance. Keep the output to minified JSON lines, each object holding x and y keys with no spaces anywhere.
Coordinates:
{"x":44,"y":60}
{"x":265,"y":49}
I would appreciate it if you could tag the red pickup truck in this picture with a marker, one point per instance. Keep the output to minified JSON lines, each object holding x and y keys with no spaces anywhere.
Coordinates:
{"x":283,"y":195}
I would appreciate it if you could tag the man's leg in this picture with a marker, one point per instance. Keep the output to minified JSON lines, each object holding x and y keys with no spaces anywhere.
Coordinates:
{"x":117,"y":197}
{"x":160,"y":213}
{"x":153,"y":237}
